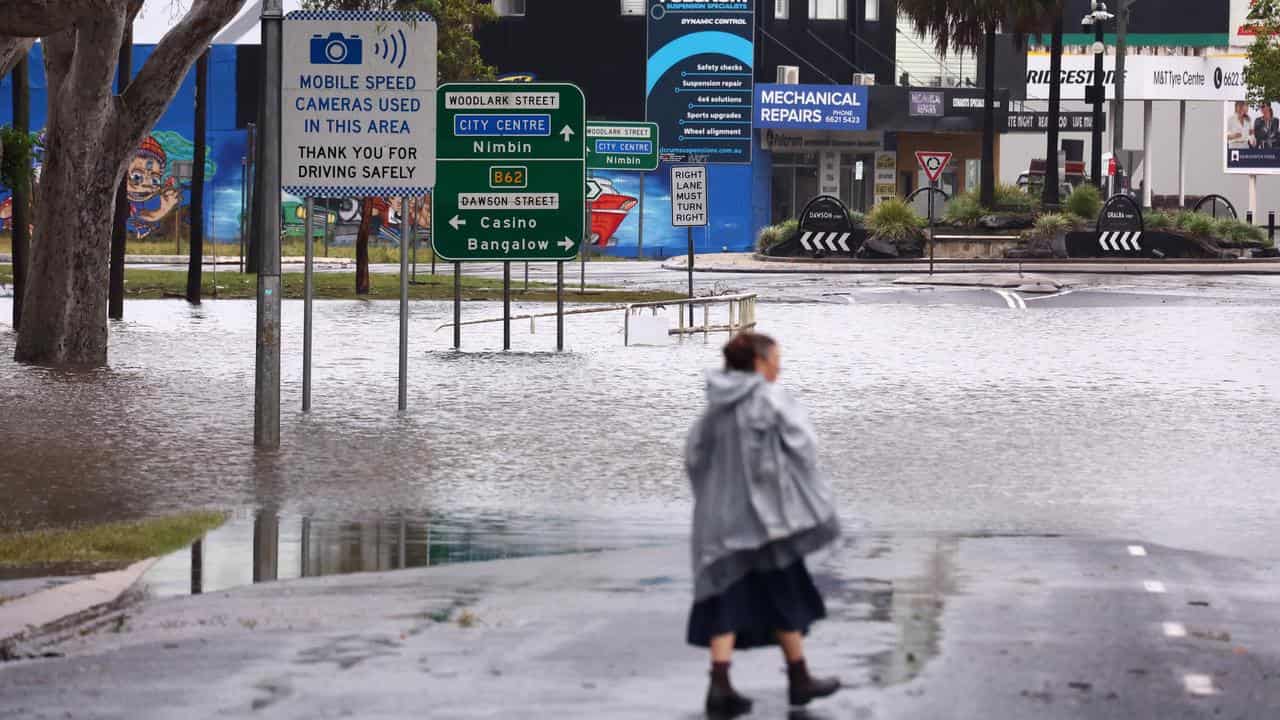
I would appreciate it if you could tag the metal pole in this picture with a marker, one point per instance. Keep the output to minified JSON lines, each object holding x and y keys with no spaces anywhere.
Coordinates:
{"x":1148,"y":173}
{"x":413,"y":228}
{"x":457,"y":306}
{"x":405,"y":233}
{"x":933,"y":184}
{"x":1253,"y":194}
{"x":1122,"y":48}
{"x":690,"y":271}
{"x":506,"y":306}
{"x":526,"y":277}
{"x":1182,"y":153}
{"x":266,"y":406}
{"x":640,"y":235}
{"x":582,"y":249}
{"x":197,"y":566}
{"x":244,"y":204}
{"x":1095,"y":156}
{"x":560,"y":306}
{"x":308,"y":292}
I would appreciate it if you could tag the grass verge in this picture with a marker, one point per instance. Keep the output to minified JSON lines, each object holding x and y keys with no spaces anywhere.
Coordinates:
{"x":155,"y":284}
{"x":106,"y":546}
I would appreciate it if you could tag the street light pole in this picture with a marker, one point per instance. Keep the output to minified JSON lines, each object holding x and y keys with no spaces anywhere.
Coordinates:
{"x":1095,"y":19}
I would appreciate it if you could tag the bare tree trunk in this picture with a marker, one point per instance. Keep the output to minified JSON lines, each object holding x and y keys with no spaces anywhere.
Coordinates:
{"x":120,"y":224}
{"x":362,"y":246}
{"x":89,"y":135}
{"x":20,"y":219}
{"x":196,"y":264}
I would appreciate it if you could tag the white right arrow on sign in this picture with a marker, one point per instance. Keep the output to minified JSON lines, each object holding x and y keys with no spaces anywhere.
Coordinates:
{"x":565,"y":243}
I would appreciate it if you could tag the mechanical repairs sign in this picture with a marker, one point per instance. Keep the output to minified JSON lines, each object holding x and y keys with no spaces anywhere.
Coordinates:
{"x":359,"y":104}
{"x":699,"y":79}
{"x":512,"y":172}
{"x":811,"y":107}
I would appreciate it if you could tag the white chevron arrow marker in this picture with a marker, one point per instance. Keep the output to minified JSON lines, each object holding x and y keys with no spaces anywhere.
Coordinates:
{"x":804,"y":241}
{"x":844,"y":242}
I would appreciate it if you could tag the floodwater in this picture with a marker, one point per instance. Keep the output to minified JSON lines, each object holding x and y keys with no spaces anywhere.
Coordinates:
{"x":1147,"y":422}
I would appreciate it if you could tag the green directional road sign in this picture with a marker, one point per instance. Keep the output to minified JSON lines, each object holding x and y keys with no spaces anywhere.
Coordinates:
{"x":622,"y":146}
{"x":510,"y":172}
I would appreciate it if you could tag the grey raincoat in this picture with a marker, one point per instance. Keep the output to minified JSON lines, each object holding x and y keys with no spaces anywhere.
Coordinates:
{"x":759,"y":501}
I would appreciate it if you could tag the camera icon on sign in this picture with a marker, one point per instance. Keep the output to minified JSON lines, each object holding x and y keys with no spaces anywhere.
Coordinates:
{"x":336,"y":49}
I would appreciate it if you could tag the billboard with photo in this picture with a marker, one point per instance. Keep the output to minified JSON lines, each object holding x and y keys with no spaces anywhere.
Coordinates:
{"x":1251,"y":138}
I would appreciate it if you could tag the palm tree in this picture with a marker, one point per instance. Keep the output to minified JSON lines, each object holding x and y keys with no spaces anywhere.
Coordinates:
{"x":967,"y":25}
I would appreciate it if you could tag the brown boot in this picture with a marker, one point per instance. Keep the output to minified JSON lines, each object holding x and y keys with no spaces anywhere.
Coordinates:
{"x":803,"y":687}
{"x":722,"y":700}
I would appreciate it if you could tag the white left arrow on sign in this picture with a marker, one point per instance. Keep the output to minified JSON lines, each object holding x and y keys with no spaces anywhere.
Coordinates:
{"x":455,"y":222}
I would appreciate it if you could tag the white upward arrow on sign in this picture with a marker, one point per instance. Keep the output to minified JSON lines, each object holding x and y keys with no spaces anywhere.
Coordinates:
{"x":567,"y":132}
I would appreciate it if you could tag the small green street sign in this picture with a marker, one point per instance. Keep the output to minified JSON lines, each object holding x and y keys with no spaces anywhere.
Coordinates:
{"x":622,"y":146}
{"x":510,"y":172}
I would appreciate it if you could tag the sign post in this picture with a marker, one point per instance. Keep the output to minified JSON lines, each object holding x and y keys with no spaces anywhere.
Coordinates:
{"x":512,"y":168}
{"x":689,"y":208}
{"x":932,"y":163}
{"x":358,"y":120}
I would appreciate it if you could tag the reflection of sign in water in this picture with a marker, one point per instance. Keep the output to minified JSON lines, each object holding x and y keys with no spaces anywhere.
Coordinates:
{"x":688,"y":196}
{"x":825,"y":226}
{"x":358,"y":113}
{"x":811,"y":107}
{"x":699,"y":78}
{"x":511,"y":171}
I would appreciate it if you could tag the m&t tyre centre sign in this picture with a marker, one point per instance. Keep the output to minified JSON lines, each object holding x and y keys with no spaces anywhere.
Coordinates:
{"x":512,"y":172}
{"x":359,"y":109}
{"x":699,"y":79}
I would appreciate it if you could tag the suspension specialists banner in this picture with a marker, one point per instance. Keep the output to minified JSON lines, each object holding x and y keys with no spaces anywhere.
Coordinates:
{"x":699,"y":79}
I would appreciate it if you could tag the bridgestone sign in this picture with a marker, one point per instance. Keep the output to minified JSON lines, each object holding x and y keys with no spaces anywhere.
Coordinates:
{"x":1147,"y":77}
{"x":359,"y":104}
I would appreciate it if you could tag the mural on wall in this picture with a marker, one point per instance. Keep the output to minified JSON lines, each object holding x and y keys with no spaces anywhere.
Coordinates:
{"x":158,"y":185}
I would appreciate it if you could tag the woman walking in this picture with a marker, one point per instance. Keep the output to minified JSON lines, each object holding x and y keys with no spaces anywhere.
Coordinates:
{"x":760,"y":506}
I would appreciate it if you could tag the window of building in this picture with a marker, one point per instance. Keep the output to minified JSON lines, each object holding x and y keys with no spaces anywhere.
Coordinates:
{"x":872,"y":13}
{"x":781,"y":9}
{"x":632,"y":8}
{"x":827,"y":10}
{"x":509,"y":8}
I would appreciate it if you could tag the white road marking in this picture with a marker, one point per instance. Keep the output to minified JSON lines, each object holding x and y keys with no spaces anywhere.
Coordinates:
{"x":1033,"y":298}
{"x":1137,"y":551}
{"x":1199,"y":684}
{"x":1153,"y":586}
{"x":1174,"y":630}
{"x":1012,"y":299}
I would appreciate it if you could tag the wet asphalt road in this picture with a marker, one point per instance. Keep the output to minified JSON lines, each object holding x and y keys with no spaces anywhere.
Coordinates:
{"x":956,"y":627}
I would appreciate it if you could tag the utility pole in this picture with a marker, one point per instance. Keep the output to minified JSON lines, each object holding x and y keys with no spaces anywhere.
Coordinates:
{"x":266,"y":401}
{"x":195,"y":261}
{"x":20,"y":220}
{"x":120,"y":219}
{"x":1122,"y":31}
{"x":1097,"y":93}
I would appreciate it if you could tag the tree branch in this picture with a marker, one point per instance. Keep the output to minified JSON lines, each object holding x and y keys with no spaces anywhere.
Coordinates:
{"x":37,"y":18}
{"x":96,"y":55}
{"x":157,"y":82}
{"x":12,"y":49}
{"x":59,"y":50}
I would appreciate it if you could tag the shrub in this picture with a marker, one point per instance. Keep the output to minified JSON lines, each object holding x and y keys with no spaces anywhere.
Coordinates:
{"x":1238,"y":231}
{"x":1085,"y":201}
{"x":771,"y":235}
{"x":964,"y":210}
{"x":858,"y":219}
{"x":895,"y":220}
{"x":1198,"y":225}
{"x":1011,"y":198}
{"x":1158,"y":220}
{"x":1051,"y":225}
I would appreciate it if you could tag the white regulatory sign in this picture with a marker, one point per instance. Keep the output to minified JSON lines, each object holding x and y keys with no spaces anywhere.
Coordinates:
{"x":688,"y":196}
{"x":359,"y":115}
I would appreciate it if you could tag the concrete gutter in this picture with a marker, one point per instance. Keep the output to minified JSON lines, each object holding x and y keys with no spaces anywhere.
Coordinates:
{"x":30,"y":612}
{"x":747,"y":263}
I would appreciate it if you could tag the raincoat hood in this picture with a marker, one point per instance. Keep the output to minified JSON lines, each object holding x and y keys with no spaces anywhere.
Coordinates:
{"x":760,"y":502}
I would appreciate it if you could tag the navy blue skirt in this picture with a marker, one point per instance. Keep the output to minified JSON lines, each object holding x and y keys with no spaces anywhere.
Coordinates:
{"x":756,"y":607}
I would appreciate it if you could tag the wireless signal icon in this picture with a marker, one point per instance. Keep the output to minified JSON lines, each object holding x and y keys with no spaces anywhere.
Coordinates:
{"x":393,"y":48}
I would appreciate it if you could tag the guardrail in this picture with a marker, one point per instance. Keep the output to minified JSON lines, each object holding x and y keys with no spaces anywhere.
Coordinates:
{"x":741,"y":308}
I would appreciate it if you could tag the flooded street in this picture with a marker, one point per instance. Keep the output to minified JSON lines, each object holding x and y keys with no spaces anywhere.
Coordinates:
{"x":1143,"y":421}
